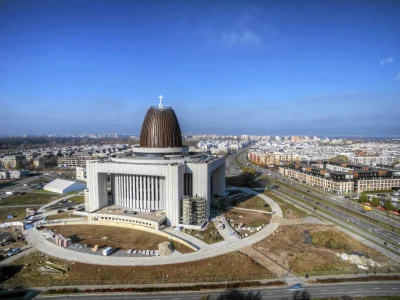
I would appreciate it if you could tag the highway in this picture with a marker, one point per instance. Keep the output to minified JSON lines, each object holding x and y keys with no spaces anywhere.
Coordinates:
{"x":354,"y":289}
{"x":348,"y":204}
{"x":393,"y":239}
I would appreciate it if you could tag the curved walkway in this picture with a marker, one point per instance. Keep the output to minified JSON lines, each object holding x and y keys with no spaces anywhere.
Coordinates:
{"x":35,"y":239}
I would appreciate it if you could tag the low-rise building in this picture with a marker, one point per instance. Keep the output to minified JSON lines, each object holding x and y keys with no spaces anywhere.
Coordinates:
{"x":14,"y":161}
{"x":341,"y":177}
{"x":266,"y":159}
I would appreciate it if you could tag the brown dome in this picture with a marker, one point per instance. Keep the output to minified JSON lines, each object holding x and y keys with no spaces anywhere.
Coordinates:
{"x":160,"y":129}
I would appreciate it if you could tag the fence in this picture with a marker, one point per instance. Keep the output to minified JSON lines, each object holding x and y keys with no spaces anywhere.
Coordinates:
{"x":7,"y":224}
{"x":387,"y":270}
{"x":196,"y":280}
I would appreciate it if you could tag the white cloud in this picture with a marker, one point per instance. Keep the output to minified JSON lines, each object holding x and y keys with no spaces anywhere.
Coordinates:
{"x":235,"y":37}
{"x":397,"y":77}
{"x":388,"y":60}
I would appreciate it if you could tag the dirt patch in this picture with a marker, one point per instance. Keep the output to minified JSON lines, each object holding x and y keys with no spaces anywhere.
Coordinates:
{"x":210,"y":235}
{"x":248,"y":218}
{"x":116,"y":237}
{"x":232,"y":266}
{"x":313,"y":247}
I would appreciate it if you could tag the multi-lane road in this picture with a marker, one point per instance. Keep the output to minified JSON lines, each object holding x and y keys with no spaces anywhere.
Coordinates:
{"x":380,"y":234}
{"x":355,"y":289}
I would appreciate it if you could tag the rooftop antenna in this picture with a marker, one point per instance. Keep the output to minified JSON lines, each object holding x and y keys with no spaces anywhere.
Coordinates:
{"x":160,"y":106}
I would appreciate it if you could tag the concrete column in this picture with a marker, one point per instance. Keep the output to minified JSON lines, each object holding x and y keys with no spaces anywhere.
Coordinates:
{"x":140,"y":191}
{"x":153,"y":200}
{"x":123,"y":190}
{"x":130,"y":205}
{"x":117,"y":190}
{"x":156,"y":198}
{"x":148,"y":192}
{"x":136,"y":192}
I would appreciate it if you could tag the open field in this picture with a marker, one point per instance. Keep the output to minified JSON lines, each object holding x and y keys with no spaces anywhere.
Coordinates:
{"x":251,"y":202}
{"x":248,"y":218}
{"x":77,"y":199}
{"x":117,"y":237}
{"x":289,"y":210}
{"x":233,"y":266}
{"x":309,"y":247}
{"x":19,"y":213}
{"x":210,"y":235}
{"x":28,"y":199}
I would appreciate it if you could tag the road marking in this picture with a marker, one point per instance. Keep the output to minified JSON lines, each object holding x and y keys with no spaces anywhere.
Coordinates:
{"x":394,"y":288}
{"x":377,"y":288}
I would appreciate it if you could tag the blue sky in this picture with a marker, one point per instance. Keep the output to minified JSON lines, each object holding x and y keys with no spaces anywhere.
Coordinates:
{"x":228,"y":67}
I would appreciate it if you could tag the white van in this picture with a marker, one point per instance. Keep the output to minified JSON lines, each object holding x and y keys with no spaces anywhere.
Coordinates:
{"x":107,"y":251}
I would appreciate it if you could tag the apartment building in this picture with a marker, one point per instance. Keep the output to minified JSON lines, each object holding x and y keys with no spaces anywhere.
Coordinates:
{"x":261,"y":158}
{"x":341,"y":178}
{"x":73,"y":161}
{"x":13,"y":161}
{"x":331,"y":181}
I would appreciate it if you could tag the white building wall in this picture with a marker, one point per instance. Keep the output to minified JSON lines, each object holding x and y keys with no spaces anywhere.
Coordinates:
{"x":153,"y":186}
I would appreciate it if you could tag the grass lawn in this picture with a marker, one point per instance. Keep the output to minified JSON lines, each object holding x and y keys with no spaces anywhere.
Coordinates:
{"x":28,"y":199}
{"x":210,"y":234}
{"x":232,"y":266}
{"x":289,"y":210}
{"x":78,"y":199}
{"x":252,"y":202}
{"x":19,"y":213}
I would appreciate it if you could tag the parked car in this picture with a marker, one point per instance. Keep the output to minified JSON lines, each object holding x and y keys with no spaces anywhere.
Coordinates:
{"x":14,"y":251}
{"x":129,"y":251}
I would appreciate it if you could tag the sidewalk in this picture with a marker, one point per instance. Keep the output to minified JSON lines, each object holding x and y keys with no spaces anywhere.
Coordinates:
{"x":35,"y":239}
{"x":186,"y":237}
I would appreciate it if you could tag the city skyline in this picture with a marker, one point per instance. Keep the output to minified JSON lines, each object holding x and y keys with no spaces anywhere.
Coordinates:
{"x":226,"y":68}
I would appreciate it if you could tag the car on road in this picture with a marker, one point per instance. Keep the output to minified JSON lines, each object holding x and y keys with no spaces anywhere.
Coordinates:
{"x":108,"y":251}
{"x":14,"y":251}
{"x":295,"y":287}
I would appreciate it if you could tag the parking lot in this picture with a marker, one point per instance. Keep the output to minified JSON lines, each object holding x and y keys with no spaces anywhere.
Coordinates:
{"x":117,"y":253}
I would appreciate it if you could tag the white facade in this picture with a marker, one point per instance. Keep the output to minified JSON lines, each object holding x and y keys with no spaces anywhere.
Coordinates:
{"x":153,"y":184}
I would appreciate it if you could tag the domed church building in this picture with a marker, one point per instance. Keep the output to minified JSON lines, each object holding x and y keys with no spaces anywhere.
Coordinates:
{"x":161,"y":183}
